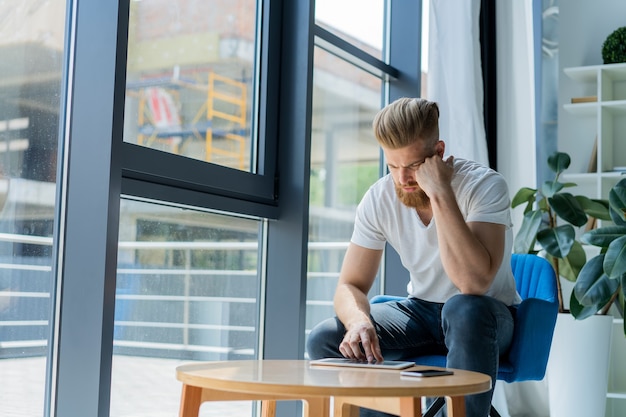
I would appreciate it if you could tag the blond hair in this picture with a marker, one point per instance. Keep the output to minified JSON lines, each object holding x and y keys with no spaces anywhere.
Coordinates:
{"x":406,"y":121}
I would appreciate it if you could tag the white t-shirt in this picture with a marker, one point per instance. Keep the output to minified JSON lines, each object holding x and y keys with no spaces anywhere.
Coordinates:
{"x":482,"y":196}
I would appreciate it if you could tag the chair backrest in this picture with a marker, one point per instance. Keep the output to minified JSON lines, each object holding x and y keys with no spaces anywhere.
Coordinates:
{"x":535,"y":319}
{"x":534,"y":277}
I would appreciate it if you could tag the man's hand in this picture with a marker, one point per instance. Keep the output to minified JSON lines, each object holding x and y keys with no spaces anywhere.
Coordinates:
{"x":358,"y":272}
{"x":435,"y":174}
{"x":361,"y":342}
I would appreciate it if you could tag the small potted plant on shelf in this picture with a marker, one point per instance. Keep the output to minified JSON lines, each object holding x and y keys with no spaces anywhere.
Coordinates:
{"x":614,"y":47}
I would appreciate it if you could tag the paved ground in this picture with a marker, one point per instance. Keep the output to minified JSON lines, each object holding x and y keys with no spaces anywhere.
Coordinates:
{"x":141,"y":387}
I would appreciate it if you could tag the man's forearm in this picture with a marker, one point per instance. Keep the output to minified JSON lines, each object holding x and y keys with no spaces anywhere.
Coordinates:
{"x":466,"y":260}
{"x":351,"y":305}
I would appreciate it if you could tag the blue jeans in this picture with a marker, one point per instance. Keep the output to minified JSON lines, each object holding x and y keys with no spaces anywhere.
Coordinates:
{"x":473,"y":331}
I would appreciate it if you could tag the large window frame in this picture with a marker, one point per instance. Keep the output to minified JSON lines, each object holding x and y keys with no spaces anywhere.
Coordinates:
{"x":98,"y":168}
{"x":183,"y":180}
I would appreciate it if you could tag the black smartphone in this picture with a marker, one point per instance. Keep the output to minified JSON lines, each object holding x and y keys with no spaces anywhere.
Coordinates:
{"x":426,"y":372}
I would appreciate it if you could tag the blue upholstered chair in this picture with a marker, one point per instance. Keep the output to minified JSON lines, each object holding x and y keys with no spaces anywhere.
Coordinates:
{"x":534,"y":325}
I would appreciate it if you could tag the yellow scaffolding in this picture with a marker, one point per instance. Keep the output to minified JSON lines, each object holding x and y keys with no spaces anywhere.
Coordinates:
{"x":225,"y":111}
{"x":229,"y":91}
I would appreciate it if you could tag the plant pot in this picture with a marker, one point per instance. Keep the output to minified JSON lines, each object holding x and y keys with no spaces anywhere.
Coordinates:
{"x":578,"y":367}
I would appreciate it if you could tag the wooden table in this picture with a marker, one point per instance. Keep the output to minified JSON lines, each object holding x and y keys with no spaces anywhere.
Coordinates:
{"x":274,"y":380}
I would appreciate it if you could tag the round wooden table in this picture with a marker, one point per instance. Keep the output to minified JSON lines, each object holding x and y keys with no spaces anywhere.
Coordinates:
{"x":273,"y":380}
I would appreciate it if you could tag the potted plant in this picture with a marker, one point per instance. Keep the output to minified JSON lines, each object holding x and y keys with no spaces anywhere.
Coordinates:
{"x":614,"y":47}
{"x":602,"y":280}
{"x":556,"y":223}
{"x":552,"y":220}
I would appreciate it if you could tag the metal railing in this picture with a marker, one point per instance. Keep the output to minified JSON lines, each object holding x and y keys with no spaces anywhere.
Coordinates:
{"x":155,"y":319}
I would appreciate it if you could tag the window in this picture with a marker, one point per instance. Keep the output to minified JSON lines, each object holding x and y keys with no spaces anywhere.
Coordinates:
{"x":356,"y":72}
{"x":187,"y":289}
{"x":193,"y":119}
{"x":191,"y":79}
{"x":32,"y":47}
{"x":360,"y":22}
{"x":344,"y":163}
{"x":154,"y":251}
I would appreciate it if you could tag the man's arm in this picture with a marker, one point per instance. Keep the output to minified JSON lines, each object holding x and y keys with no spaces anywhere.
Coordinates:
{"x":471,"y":253}
{"x":358,"y":273}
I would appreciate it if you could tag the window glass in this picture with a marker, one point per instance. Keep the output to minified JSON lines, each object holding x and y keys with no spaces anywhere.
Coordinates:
{"x":425,"y":47}
{"x":31,"y":47}
{"x":187,"y":289}
{"x":191,"y":79}
{"x":344,"y":163}
{"x":360,"y":22}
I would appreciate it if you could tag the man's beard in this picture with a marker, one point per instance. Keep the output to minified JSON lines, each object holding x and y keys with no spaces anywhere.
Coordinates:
{"x":415,"y":199}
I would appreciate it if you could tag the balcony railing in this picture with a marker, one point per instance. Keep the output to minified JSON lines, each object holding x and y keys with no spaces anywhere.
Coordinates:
{"x":180,"y":311}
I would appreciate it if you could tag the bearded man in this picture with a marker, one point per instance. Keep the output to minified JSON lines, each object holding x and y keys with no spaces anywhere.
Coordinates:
{"x":449,"y":220}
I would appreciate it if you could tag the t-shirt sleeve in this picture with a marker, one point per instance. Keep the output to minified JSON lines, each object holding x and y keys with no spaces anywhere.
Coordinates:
{"x":367,"y":229}
{"x":489,"y":200}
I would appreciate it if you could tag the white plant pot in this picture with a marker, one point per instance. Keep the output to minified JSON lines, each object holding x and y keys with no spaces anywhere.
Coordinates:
{"x":578,"y":367}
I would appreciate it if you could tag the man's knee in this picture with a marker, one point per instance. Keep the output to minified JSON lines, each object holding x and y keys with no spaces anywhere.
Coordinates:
{"x":468,"y":311}
{"x":324,"y":339}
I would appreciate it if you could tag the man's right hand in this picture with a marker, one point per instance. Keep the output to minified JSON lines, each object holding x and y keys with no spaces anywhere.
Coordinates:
{"x":361,"y":343}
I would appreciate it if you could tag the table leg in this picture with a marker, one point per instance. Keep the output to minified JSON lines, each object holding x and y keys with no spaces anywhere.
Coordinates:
{"x":456,"y":406}
{"x":316,"y":406}
{"x":268,"y":408}
{"x":344,"y":409}
{"x":411,"y":407}
{"x":190,"y":400}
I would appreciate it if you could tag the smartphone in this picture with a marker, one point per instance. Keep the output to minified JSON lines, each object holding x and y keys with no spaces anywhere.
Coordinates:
{"x":427,"y":372}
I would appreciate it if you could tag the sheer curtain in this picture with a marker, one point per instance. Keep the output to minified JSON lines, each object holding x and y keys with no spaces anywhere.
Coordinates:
{"x":455,"y":76}
{"x":517,"y":155}
{"x":455,"y":82}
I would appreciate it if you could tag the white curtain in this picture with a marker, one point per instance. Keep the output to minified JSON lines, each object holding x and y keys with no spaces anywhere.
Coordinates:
{"x":517,"y":156}
{"x":455,"y":76}
{"x":454,"y":81}
{"x":516,"y":96}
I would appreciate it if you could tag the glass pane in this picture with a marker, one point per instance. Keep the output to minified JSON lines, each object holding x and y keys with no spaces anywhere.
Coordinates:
{"x":190,"y":79}
{"x":31,"y":47}
{"x":425,"y":47}
{"x":344,"y":163}
{"x":187,"y":289}
{"x":360,"y":22}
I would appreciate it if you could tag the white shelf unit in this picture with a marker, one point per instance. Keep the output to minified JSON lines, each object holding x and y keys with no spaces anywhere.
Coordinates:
{"x":595,"y":128}
{"x":616,"y":395}
{"x":598,"y":128}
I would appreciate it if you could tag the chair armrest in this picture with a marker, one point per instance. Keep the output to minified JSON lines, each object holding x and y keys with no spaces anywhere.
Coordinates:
{"x":534,"y":328}
{"x":384,"y":298}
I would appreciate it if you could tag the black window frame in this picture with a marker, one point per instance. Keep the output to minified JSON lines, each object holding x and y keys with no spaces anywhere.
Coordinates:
{"x":161,"y":176}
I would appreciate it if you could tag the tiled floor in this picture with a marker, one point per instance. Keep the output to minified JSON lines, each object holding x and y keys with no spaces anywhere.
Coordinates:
{"x":141,"y":387}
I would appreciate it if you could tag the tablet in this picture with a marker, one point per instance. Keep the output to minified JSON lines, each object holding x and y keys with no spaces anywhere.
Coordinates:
{"x":362,"y":364}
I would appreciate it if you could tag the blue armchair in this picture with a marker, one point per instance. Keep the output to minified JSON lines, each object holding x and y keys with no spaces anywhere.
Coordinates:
{"x":534,"y":325}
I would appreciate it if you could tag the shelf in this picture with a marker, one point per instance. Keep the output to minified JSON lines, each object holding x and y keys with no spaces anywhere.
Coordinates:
{"x":617,"y":378}
{"x":615,"y":106}
{"x":582,"y":109}
{"x":583,"y":74}
{"x":612,"y":175}
{"x":581,"y":179}
{"x":617,"y":72}
{"x":590,"y":73}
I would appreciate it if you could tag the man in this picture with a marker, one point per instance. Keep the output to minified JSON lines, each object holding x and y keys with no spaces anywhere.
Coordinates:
{"x":449,"y":221}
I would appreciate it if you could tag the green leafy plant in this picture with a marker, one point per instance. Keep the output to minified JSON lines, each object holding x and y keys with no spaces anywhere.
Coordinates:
{"x":614,"y":47}
{"x":602,"y":280}
{"x":552,"y":220}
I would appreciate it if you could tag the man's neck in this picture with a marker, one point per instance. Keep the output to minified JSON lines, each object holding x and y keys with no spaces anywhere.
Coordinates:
{"x":425,"y":214}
